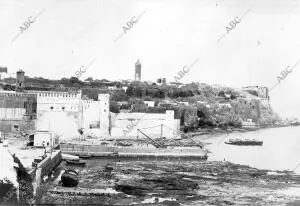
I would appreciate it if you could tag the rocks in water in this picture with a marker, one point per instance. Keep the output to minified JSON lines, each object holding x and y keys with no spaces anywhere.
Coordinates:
{"x":155,"y":183}
{"x":132,"y":188}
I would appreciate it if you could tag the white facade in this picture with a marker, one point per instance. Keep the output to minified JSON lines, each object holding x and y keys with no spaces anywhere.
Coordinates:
{"x":149,"y":103}
{"x":154,"y":125}
{"x":43,"y":138}
{"x":65,"y":113}
{"x":225,"y":105}
{"x":104,"y":114}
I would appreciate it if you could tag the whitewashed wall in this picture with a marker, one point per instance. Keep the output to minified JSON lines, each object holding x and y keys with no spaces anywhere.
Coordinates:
{"x":149,"y":123}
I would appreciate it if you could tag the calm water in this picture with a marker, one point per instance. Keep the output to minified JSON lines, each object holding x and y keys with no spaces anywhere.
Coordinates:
{"x":280,"y":150}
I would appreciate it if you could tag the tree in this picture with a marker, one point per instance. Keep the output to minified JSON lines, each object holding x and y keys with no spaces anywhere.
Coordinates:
{"x":89,"y":79}
{"x":75,"y":80}
{"x":189,"y":117}
{"x":114,"y":107}
{"x":119,"y":95}
{"x":129,"y":91}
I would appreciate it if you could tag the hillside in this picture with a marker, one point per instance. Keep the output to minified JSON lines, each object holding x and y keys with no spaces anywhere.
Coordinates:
{"x":195,"y":104}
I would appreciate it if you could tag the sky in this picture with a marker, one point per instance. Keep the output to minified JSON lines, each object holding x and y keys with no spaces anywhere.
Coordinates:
{"x":170,"y":34}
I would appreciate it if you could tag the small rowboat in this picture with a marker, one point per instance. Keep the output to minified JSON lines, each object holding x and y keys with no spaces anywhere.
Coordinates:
{"x":70,"y":178}
{"x":76,"y":163}
{"x":86,"y":156}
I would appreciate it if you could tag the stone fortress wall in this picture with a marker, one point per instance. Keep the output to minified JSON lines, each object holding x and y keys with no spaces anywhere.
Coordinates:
{"x":17,"y":112}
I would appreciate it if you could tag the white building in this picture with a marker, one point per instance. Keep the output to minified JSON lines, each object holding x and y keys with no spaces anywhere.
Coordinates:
{"x":224,"y":105}
{"x":155,"y":125}
{"x":45,"y":138}
{"x":149,"y":103}
{"x":65,"y":113}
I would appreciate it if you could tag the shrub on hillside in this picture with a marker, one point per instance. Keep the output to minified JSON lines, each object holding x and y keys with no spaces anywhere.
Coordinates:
{"x":114,"y":107}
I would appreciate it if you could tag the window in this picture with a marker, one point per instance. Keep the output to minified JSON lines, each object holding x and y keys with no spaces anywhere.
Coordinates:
{"x":51,"y":108}
{"x":16,"y":126}
{"x":63,"y":108}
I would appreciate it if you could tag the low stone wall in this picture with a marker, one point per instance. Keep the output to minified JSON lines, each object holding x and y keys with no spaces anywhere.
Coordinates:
{"x":45,"y":167}
{"x":50,"y":163}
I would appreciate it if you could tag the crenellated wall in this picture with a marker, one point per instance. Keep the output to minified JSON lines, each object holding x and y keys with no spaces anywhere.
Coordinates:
{"x":65,"y":113}
{"x":57,"y":101}
{"x":58,"y":112}
{"x":17,"y":112}
{"x":14,"y":105}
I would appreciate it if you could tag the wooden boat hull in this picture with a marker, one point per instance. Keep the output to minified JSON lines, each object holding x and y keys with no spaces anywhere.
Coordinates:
{"x":70,"y":178}
{"x":85,"y":156}
{"x":246,"y":143}
{"x":75,"y":163}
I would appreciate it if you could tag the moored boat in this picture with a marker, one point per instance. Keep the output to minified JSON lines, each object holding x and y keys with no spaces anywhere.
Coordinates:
{"x":76,"y":163}
{"x":85,"y":156}
{"x":246,"y":142}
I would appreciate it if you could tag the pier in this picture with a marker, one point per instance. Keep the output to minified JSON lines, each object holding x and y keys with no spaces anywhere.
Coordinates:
{"x":132,"y":152}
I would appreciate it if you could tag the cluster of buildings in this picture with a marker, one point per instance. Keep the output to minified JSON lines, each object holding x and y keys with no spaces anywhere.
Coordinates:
{"x":65,"y":113}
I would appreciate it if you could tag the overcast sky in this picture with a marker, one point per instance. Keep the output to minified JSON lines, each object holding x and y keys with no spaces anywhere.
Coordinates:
{"x":169,"y":35}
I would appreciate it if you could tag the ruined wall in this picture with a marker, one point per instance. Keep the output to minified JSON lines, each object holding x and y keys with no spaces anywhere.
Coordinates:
{"x":15,"y":105}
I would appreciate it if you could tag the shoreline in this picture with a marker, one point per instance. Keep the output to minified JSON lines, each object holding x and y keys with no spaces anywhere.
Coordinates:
{"x":212,"y":132}
{"x":176,"y":183}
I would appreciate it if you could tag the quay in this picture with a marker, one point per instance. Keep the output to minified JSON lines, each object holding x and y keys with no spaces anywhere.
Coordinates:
{"x":132,"y":152}
{"x":84,"y":191}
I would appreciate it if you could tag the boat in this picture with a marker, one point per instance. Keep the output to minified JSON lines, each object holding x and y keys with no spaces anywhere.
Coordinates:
{"x":125,"y":144}
{"x":76,"y":163}
{"x":246,"y":142}
{"x":70,"y":178}
{"x":85,"y":156}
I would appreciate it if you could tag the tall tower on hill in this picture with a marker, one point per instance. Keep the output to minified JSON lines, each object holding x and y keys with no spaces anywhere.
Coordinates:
{"x":20,"y":81}
{"x":138,"y":71}
{"x":3,"y":70}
